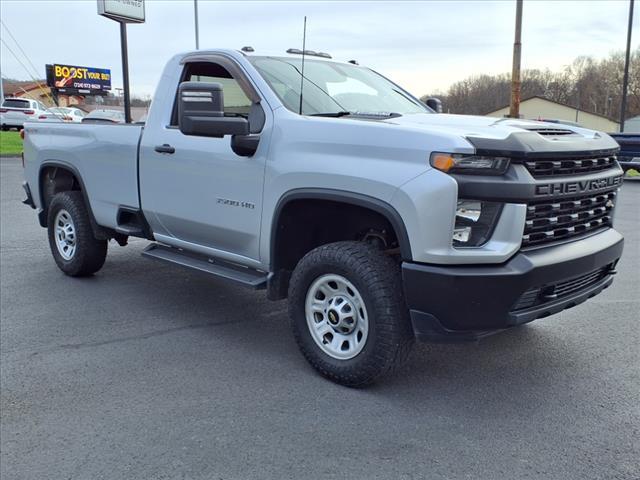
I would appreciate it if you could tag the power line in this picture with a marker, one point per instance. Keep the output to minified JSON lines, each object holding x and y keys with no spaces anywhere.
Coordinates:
{"x":27,"y":70}
{"x":35,"y":70}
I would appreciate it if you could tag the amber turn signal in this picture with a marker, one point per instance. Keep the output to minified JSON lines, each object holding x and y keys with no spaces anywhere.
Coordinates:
{"x":442,"y":161}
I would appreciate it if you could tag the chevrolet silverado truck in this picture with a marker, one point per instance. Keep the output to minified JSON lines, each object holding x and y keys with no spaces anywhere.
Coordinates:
{"x":380,"y":220}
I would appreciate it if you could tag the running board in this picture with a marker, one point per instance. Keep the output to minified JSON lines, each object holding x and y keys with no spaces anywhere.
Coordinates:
{"x":130,"y":230}
{"x":131,"y":222}
{"x":213,"y":266}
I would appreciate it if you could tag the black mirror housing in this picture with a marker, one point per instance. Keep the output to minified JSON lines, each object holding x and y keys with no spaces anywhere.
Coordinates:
{"x":434,"y":104}
{"x":201,"y":111}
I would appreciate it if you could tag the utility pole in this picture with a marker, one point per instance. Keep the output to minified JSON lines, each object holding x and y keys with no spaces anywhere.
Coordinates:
{"x":625,"y":81}
{"x":195,"y":18}
{"x":514,"y":109}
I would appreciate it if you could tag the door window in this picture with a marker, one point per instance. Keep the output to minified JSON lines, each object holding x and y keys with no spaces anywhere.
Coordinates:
{"x":236,"y":102}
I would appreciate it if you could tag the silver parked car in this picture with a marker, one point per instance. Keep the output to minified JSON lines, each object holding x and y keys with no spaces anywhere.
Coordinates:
{"x":104,"y":116}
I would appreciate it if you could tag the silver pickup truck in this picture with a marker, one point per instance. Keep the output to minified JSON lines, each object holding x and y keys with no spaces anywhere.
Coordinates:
{"x":380,"y":220}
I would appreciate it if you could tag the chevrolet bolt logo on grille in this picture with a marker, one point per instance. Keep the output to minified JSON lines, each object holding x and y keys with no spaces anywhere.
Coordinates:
{"x":577,"y":187}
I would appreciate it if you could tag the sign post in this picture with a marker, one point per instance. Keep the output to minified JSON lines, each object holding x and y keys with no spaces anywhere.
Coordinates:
{"x":125,"y":72}
{"x":123,"y":12}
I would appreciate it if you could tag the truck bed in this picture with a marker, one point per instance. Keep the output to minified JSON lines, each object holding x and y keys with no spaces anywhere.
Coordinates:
{"x":105,"y":156}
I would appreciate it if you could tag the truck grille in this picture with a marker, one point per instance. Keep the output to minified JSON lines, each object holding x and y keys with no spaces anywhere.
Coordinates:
{"x":552,"y":220}
{"x":541,"y":294}
{"x":568,"y":166}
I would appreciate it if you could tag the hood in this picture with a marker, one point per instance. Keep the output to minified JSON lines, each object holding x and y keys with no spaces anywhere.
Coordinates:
{"x":509,"y":134}
{"x":487,"y":127}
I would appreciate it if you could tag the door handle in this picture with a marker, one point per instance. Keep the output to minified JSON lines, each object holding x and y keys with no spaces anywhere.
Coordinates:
{"x":164,"y":148}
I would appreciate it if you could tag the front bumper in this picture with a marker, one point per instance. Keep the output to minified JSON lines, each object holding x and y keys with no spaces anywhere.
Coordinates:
{"x":465,"y":302}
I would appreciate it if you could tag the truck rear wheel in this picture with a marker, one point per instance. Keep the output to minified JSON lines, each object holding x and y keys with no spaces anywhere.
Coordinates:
{"x":76,"y":251}
{"x":348,"y":314}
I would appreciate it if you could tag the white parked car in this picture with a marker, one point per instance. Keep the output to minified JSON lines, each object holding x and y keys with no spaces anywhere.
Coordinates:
{"x":103,"y":115}
{"x":15,"y":111}
{"x":62,"y":114}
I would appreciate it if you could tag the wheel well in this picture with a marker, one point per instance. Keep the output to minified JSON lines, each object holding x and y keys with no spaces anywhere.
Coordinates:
{"x":53,"y":180}
{"x":304,"y":224}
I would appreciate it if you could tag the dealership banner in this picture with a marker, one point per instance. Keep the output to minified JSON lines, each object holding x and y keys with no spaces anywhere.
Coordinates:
{"x":82,"y":79}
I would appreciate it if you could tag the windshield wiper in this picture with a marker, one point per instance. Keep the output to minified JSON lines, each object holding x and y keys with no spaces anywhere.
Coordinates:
{"x":357,"y":114}
{"x":342,"y":113}
{"x":376,"y":114}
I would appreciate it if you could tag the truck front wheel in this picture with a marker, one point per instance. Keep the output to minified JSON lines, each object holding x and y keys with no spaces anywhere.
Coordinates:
{"x":76,"y":251}
{"x":348,"y":314}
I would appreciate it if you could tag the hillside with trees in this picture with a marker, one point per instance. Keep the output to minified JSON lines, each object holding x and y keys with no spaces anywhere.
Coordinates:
{"x":590,"y":84}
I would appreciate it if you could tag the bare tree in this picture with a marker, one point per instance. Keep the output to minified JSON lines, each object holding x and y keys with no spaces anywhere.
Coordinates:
{"x":589,"y":84}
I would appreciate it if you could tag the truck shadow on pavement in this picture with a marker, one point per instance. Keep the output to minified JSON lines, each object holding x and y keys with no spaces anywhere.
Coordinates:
{"x":246,"y":321}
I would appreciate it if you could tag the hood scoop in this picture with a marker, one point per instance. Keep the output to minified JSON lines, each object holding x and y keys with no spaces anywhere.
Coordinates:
{"x":550,"y":131}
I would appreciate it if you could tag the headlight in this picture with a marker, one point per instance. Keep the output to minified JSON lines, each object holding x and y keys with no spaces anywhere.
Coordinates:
{"x":469,"y":164}
{"x":474,"y":222}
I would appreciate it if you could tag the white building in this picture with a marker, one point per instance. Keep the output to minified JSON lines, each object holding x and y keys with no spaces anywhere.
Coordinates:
{"x":540,"y":108}
{"x":632,"y":125}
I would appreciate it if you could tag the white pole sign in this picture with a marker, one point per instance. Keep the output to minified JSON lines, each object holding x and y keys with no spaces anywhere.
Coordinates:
{"x":127,"y":11}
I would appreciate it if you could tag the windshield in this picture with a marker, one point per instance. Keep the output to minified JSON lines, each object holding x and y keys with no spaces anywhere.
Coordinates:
{"x":334,"y":88}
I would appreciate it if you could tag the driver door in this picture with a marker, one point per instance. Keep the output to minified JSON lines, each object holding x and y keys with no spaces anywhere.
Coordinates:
{"x":196,"y":192}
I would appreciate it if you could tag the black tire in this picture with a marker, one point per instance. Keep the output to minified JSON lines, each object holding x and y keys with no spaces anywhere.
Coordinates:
{"x":377,"y":279}
{"x":90,"y":253}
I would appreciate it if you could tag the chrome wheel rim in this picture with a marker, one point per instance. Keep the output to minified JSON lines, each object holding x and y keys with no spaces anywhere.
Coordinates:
{"x":65,"y":235}
{"x":336,"y":316}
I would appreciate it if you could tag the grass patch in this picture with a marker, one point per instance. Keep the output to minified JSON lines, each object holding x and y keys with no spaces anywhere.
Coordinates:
{"x":10,"y":143}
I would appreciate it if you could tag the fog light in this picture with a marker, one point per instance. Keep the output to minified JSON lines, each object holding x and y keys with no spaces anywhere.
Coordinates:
{"x":474,"y":222}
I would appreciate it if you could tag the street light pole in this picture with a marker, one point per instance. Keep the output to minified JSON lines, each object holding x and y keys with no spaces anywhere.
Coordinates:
{"x":625,"y":81}
{"x":514,"y":109}
{"x":195,"y":18}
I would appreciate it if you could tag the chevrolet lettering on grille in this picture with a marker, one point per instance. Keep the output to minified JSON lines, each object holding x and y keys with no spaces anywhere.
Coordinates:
{"x":583,"y":186}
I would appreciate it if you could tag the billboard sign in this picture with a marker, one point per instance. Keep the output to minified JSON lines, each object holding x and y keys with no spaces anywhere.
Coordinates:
{"x":72,"y":78}
{"x":127,"y":11}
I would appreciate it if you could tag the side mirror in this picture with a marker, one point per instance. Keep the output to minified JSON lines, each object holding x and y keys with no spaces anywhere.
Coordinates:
{"x":434,"y":104}
{"x":201,"y":111}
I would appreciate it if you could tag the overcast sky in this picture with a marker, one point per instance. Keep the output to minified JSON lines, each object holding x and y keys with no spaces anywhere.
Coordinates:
{"x":424,"y":46}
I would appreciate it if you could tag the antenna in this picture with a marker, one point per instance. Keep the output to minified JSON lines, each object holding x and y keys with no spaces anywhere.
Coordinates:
{"x":304,"y":46}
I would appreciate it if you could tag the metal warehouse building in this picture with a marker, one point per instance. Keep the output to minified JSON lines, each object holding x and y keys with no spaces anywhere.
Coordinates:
{"x":540,"y":108}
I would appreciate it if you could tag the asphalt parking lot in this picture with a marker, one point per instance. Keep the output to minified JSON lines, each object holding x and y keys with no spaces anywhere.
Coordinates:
{"x":147,"y":371}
